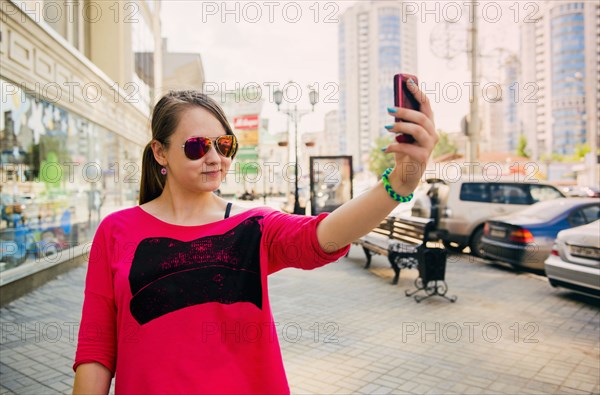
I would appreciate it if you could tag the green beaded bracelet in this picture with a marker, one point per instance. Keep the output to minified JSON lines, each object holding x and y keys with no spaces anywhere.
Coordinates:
{"x":390,"y":191}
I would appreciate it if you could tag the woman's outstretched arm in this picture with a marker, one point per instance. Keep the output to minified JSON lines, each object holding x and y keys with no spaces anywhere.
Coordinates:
{"x":363,"y":213}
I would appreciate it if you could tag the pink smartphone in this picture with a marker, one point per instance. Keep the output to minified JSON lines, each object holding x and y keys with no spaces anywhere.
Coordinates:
{"x":403,"y":98}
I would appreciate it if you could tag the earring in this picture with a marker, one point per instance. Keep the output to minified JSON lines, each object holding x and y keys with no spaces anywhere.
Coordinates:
{"x":163,"y":171}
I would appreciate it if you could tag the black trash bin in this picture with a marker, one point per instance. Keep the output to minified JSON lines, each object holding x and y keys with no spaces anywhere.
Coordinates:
{"x":432,"y":265}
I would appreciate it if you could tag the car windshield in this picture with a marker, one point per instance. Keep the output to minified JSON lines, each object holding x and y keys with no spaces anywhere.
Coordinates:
{"x":547,"y":210}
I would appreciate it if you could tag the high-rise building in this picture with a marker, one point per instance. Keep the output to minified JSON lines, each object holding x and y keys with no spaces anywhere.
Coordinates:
{"x":510,"y":104}
{"x":534,"y":99}
{"x":561,"y":57}
{"x":181,"y":70}
{"x":492,"y":127}
{"x":376,"y":41}
{"x":336,"y":141}
{"x":501,"y":126}
{"x":567,"y":60}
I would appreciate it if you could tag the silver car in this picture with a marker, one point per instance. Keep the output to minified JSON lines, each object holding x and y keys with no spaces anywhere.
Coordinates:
{"x":575,"y":260}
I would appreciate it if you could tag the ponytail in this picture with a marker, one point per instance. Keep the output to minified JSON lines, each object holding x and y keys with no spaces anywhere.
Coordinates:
{"x":153,"y":181}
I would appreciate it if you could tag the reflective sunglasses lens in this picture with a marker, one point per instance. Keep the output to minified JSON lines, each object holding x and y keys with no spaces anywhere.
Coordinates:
{"x":196,"y":147}
{"x":227,"y":145}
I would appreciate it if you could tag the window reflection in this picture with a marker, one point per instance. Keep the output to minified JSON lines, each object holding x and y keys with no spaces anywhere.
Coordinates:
{"x":60,"y":175}
{"x":143,"y":49}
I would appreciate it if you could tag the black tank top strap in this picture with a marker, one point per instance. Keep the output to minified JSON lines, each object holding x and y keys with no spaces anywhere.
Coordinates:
{"x":227,"y":210}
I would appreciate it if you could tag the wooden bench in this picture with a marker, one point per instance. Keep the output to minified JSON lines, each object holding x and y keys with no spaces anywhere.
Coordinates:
{"x":401,"y":239}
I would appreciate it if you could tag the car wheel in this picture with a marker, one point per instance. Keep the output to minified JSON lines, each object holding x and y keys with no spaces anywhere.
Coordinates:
{"x":453,"y":246}
{"x":475,"y":244}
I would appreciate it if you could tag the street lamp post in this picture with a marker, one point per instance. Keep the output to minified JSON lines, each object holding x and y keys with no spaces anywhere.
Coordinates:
{"x":295,"y":116}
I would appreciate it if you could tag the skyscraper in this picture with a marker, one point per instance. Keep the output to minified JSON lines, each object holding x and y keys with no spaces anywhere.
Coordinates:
{"x":376,"y":41}
{"x":512,"y":125}
{"x":560,"y":55}
{"x":336,"y":141}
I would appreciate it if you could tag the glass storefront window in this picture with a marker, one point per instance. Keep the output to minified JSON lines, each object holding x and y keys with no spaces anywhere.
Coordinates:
{"x":58,"y":177}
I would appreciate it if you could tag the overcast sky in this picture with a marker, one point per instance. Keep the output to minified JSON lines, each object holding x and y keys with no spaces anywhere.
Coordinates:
{"x":304,"y":47}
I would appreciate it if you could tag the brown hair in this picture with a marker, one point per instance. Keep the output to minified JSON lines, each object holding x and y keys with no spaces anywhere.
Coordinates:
{"x":165,"y":117}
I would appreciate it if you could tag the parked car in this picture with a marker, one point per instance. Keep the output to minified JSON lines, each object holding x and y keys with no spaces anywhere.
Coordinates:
{"x":579,"y":191}
{"x":574,"y":262}
{"x":461,"y":207}
{"x":574,"y":191}
{"x":526,"y":238}
{"x":593,"y":191}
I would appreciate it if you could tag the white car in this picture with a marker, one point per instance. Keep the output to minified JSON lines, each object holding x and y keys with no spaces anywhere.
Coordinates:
{"x":575,"y":260}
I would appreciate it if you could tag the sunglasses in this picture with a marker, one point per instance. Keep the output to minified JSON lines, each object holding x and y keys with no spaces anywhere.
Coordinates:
{"x":196,"y":147}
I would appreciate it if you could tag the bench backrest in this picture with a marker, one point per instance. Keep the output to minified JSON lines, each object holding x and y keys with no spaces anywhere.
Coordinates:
{"x":411,"y":230}
{"x":386,"y":227}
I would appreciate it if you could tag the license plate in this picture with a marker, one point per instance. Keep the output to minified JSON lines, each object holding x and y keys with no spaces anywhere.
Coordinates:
{"x":585,"y":252}
{"x":498,"y":233}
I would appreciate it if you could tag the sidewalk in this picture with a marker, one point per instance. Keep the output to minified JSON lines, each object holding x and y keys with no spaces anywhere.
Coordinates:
{"x":347,"y":330}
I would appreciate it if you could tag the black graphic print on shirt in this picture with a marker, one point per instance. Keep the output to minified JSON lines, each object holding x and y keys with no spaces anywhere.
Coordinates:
{"x":167,"y":274}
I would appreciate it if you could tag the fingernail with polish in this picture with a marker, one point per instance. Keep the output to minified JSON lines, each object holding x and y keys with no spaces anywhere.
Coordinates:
{"x":388,"y":127}
{"x":383,"y":149}
{"x":412,"y":82}
{"x":391,"y":109}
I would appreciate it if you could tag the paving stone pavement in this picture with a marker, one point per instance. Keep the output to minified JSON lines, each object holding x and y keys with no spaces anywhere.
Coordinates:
{"x":344,"y":330}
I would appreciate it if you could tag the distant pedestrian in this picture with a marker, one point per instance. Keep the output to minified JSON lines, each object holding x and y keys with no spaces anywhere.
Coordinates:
{"x":176,"y":297}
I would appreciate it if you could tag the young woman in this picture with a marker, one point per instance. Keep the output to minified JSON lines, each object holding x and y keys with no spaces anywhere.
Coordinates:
{"x":176,"y":294}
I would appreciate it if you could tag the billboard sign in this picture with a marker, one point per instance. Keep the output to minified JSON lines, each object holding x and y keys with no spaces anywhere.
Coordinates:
{"x":330,"y":182}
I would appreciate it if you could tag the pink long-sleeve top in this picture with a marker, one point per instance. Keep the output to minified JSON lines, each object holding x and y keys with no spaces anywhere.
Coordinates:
{"x":172,"y":309}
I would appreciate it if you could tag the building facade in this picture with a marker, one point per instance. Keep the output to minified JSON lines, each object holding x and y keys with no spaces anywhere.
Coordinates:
{"x":336,"y":141}
{"x":560,"y":55}
{"x":376,"y":41}
{"x":181,"y":70}
{"x":493,"y":137}
{"x":511,"y":107}
{"x":77,"y":86}
{"x":501,"y":125}
{"x":567,"y":59}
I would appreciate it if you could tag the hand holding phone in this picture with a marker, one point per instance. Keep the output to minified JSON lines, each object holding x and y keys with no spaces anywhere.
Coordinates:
{"x":405,"y":99}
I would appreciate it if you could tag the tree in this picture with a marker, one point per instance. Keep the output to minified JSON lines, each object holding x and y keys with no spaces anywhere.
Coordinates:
{"x":581,"y":150}
{"x":444,"y":145}
{"x":552,"y":158}
{"x":378,"y":161}
{"x":522,"y":147}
